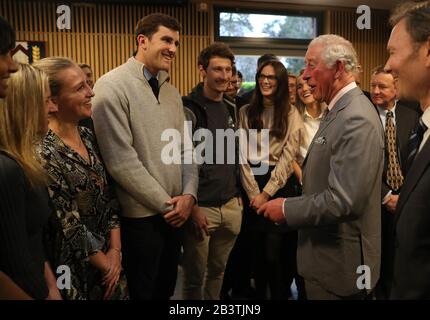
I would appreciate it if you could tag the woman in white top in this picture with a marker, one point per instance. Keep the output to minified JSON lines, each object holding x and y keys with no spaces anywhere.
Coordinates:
{"x":312,"y":112}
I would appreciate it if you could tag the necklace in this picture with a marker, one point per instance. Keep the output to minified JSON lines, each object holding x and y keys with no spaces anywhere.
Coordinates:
{"x":71,"y":144}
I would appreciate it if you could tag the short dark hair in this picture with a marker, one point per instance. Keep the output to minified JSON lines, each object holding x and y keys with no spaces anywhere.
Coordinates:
{"x":266,"y":57}
{"x":417,"y":18}
{"x":84,"y":65}
{"x":7,"y":36}
{"x":216,"y":49}
{"x":239,"y":74}
{"x":149,"y":24}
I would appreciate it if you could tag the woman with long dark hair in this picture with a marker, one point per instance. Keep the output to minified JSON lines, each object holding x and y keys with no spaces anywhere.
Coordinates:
{"x":270,"y":112}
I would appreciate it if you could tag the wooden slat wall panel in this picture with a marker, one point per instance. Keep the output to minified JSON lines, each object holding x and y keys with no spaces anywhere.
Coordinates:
{"x":370,"y":44}
{"x":102,"y":35}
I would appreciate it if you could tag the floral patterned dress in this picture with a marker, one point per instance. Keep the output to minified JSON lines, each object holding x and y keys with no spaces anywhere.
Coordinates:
{"x":86,"y":210}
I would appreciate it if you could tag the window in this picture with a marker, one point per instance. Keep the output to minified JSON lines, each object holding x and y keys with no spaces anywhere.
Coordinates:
{"x":259,"y":28}
{"x":251,"y":33}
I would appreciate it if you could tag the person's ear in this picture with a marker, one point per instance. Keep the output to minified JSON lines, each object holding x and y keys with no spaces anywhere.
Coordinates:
{"x":142,"y":41}
{"x":339,"y":69}
{"x":202,"y":71}
{"x":427,"y":48}
{"x":53,"y":105}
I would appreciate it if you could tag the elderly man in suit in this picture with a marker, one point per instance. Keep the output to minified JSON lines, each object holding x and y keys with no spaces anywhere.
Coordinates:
{"x":339,"y":214}
{"x":409,"y":61}
{"x":399,"y":122}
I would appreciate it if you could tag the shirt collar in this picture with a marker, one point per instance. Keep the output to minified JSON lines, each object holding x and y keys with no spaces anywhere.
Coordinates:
{"x":148,"y":75}
{"x":307,"y":115}
{"x":426,"y":117}
{"x":383,"y":112}
{"x":340,"y":94}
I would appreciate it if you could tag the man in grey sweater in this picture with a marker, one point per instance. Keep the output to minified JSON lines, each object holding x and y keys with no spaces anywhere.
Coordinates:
{"x":134,"y":106}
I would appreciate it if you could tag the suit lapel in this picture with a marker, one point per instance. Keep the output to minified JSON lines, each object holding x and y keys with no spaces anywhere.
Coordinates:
{"x":343,"y":102}
{"x":325,"y":122}
{"x":416,"y":171}
{"x":402,"y":125}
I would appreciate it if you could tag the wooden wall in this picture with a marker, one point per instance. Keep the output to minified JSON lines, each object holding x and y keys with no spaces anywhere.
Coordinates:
{"x":370,"y":44}
{"x":102,"y":34}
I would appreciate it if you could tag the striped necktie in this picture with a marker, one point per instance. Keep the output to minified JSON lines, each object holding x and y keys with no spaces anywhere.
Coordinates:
{"x":415,"y":141}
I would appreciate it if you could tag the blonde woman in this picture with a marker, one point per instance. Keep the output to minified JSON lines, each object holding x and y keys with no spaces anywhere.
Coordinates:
{"x":311,"y":110}
{"x":86,"y":229}
{"x":24,"y":209}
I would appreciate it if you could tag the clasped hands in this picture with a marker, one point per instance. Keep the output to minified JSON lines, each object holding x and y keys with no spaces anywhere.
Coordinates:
{"x":112,"y":274}
{"x":182,"y":206}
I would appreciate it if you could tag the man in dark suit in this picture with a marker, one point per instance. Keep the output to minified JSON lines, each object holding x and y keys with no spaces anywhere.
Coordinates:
{"x":339,"y":214}
{"x":409,"y":62}
{"x":398,"y":122}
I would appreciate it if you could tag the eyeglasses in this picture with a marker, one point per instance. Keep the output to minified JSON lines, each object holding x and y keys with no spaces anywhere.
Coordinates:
{"x":269,"y":78}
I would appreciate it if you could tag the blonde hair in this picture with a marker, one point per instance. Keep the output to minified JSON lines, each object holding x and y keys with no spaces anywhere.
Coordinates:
{"x":52,"y":66}
{"x":22,"y":115}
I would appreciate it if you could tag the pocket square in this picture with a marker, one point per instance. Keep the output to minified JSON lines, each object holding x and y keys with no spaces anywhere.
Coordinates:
{"x":320,"y":140}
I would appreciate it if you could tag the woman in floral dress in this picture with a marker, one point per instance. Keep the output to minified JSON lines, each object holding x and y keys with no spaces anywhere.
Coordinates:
{"x":85,"y":231}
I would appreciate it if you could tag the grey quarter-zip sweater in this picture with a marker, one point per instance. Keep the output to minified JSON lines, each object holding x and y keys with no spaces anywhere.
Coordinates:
{"x":129,"y":122}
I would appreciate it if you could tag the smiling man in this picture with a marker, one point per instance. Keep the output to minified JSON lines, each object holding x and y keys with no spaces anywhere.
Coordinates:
{"x":134,"y":105}
{"x":409,"y":61}
{"x":338,"y":216}
{"x":398,"y":121}
{"x":218,"y":215}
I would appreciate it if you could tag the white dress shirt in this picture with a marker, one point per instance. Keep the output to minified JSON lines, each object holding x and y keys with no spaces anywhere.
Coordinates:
{"x":426,"y":119}
{"x":383,"y":114}
{"x":311,"y":127}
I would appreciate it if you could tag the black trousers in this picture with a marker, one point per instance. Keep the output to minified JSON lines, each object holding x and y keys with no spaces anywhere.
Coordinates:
{"x":151,"y":250}
{"x":264,"y":251}
{"x":383,"y":287}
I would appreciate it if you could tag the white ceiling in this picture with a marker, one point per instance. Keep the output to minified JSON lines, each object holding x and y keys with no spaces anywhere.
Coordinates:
{"x":375,"y":4}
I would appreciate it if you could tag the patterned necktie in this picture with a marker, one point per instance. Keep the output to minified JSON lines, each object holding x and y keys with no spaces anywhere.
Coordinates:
{"x":153,"y":82}
{"x":415,"y":141}
{"x":394,"y":173}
